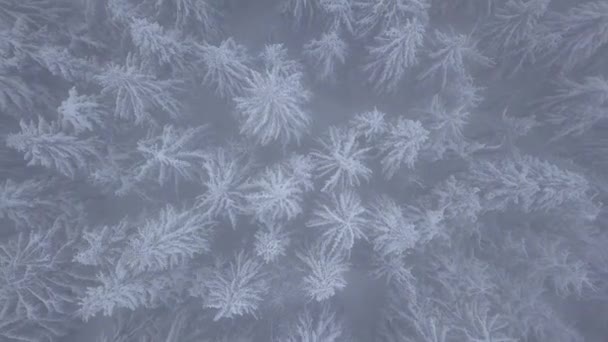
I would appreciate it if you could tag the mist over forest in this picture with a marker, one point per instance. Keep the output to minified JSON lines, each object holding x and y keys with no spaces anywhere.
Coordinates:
{"x":303,"y":170}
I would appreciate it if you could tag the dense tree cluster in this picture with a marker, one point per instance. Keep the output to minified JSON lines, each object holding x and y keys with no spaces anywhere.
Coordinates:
{"x":303,"y":170}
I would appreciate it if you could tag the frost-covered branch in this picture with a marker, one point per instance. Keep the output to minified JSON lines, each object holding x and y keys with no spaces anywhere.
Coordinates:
{"x":172,"y":155}
{"x":326,"y":54}
{"x":272,"y":107}
{"x":46,"y":145}
{"x":343,"y":220}
{"x":394,"y":52}
{"x":137,"y":94}
{"x":341,"y":161}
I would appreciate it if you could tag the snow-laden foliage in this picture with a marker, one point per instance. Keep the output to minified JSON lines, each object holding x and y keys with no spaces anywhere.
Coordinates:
{"x":299,"y":11}
{"x":530,"y":183}
{"x":81,"y":113}
{"x":459,"y":201}
{"x":583,"y":31}
{"x":394,"y":52}
{"x":481,"y":324}
{"x":276,"y":57}
{"x":38,"y":284}
{"x":15,"y":95}
{"x":391,"y":231}
{"x":158,"y":47}
{"x":226,"y":67}
{"x":137,"y":94}
{"x":402,"y":144}
{"x":167,"y":240}
{"x":44,"y":144}
{"x":272,"y":107}
{"x":317,"y":324}
{"x":28,"y":203}
{"x":446,"y":129}
{"x":141,"y":271}
{"x":325,"y":271}
{"x":341,"y":161}
{"x":513,"y":24}
{"x":416,"y":320}
{"x":394,"y":270}
{"x":451,"y":56}
{"x":101,"y":246}
{"x":172,"y":155}
{"x":203,"y":17}
{"x":342,"y":219}
{"x":380,"y":15}
{"x":559,"y":268}
{"x":576,"y":106}
{"x":277,"y":194}
{"x":303,"y":170}
{"x":118,"y":290}
{"x":225,"y":173}
{"x":339,"y":14}
{"x":33,"y":12}
{"x":235,"y":288}
{"x":429,"y":222}
{"x":326,"y":54}
{"x":271,"y":242}
{"x":62,"y":63}
{"x":370,"y":125}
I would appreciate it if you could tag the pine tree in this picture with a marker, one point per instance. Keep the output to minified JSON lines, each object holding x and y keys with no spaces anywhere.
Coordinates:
{"x":117,"y":290}
{"x":326,"y":54}
{"x":392,"y":232}
{"x":226,"y":67}
{"x":16,"y":96}
{"x":224,"y":180}
{"x":559,"y":267}
{"x":446,"y":129}
{"x":233,"y":289}
{"x":271,"y":109}
{"x":33,"y":12}
{"x":401,"y":145}
{"x":320,"y":324}
{"x":62,"y":63}
{"x":481,"y":324}
{"x":381,"y":15}
{"x":339,"y":14}
{"x":302,"y":11}
{"x":271,"y":242}
{"x":275,"y":58}
{"x":30,"y":204}
{"x":393,"y":53}
{"x":39,"y":283}
{"x":44,"y":144}
{"x":160,"y":48}
{"x":530,"y":183}
{"x":514,"y":24}
{"x":370,"y":125}
{"x":341,"y":161}
{"x":204,"y":16}
{"x":102,"y":246}
{"x":81,"y":113}
{"x":452,"y":53}
{"x":136,"y":93}
{"x":142,"y":268}
{"x":277,"y":194}
{"x":343,"y":219}
{"x":167,"y":240}
{"x":172,"y":155}
{"x":576,"y":106}
{"x":325,"y":271}
{"x":583,"y":31}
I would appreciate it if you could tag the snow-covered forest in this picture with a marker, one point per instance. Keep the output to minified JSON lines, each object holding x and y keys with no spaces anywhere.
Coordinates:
{"x":303,"y":170}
